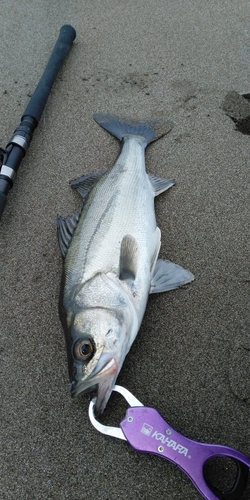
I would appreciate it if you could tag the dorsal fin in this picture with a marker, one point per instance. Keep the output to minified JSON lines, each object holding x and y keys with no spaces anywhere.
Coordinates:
{"x":66,"y":225}
{"x":65,"y":229}
{"x":85,"y":183}
{"x":128,"y":258}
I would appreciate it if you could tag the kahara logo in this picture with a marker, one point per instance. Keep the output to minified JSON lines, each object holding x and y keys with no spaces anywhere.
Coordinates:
{"x":170,"y":443}
{"x":147,"y":430}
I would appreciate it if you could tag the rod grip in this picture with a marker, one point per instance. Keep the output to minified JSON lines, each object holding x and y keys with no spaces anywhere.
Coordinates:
{"x":39,"y":98}
{"x":3,"y":201}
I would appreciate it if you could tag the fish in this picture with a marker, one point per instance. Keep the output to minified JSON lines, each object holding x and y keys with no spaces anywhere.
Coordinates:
{"x":110,"y":250}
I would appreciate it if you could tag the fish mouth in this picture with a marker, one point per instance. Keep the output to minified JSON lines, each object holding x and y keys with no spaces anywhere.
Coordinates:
{"x":102,"y":380}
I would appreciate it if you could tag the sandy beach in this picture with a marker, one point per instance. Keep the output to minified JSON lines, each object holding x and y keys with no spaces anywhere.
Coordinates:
{"x":161,"y":60}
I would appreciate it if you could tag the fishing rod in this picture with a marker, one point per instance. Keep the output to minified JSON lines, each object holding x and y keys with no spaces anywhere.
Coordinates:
{"x":15,"y":150}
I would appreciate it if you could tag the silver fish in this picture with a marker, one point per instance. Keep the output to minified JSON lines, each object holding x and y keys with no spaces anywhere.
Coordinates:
{"x":110,"y":249}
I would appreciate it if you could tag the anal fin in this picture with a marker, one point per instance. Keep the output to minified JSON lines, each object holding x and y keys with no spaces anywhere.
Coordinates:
{"x":168,"y":276}
{"x":160,"y":185}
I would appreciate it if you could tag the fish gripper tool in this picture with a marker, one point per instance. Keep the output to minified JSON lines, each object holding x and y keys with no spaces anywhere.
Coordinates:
{"x":146,"y":431}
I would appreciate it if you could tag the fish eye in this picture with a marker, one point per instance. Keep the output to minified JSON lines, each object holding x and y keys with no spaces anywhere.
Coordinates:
{"x":83,"y":349}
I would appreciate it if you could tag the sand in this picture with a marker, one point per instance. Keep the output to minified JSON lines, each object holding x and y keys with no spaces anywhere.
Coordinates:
{"x":191,"y":359}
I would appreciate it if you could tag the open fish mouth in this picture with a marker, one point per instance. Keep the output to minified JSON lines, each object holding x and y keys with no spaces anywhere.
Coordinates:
{"x":102,"y":381}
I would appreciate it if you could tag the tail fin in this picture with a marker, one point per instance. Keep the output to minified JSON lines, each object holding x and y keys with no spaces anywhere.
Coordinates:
{"x":120,"y":127}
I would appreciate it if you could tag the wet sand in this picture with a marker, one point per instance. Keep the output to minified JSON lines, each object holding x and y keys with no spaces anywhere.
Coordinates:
{"x":191,"y":359}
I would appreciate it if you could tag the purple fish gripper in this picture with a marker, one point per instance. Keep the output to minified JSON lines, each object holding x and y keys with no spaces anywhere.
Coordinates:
{"x":148,"y":432}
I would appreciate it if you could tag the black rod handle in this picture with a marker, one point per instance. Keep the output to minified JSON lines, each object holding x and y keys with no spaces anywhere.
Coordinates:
{"x":39,"y":98}
{"x":3,"y":201}
{"x":12,"y":155}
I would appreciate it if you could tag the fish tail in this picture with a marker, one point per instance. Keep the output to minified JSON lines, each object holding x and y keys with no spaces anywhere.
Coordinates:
{"x":120,"y":127}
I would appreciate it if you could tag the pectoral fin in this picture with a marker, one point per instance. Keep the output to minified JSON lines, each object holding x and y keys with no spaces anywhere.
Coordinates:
{"x":128,"y":258}
{"x":168,"y":276}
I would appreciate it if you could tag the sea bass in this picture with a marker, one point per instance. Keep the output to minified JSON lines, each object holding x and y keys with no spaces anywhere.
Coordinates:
{"x":110,"y":248}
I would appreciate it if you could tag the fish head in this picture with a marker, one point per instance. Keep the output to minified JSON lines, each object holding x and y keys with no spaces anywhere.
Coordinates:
{"x":98,"y":348}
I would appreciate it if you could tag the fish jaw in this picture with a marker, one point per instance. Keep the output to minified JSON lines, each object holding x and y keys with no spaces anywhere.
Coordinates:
{"x":108,"y":331}
{"x":103,"y":372}
{"x":101,"y":382}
